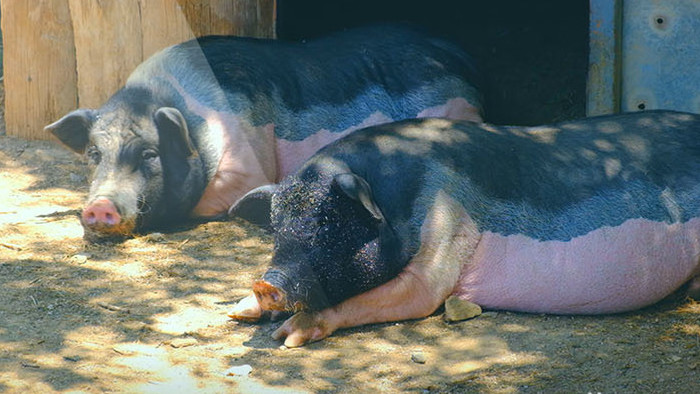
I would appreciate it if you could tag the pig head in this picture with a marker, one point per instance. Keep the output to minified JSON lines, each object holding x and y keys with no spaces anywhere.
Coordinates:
{"x":143,"y":161}
{"x":332,"y":240}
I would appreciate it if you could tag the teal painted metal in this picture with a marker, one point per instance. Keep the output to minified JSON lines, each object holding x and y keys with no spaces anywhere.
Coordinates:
{"x":661,"y":55}
{"x":603,"y":87}
{"x":644,"y":54}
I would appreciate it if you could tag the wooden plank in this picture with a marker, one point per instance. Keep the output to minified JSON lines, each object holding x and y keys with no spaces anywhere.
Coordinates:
{"x":112,"y":37}
{"x":252,"y":18}
{"x":39,"y":65}
{"x":108,"y":46}
{"x":168,"y":22}
{"x":164,"y":24}
{"x":53,"y":66}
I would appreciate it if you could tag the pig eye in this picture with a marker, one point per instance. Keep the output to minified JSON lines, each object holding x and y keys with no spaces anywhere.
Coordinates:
{"x":149,"y":154}
{"x":94,"y":155}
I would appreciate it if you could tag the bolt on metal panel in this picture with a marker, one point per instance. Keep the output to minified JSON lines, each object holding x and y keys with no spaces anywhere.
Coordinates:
{"x":660,"y":55}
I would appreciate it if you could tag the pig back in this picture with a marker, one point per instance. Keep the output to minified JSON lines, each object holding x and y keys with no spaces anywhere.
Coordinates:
{"x":595,"y":216}
{"x":549,"y":182}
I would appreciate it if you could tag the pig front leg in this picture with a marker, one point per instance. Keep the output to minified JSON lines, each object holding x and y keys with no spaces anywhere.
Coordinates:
{"x":305,"y":327}
{"x":448,"y":240}
{"x":408,"y":296}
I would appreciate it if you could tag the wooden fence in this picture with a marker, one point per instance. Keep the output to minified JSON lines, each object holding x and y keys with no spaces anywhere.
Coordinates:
{"x":63,"y":54}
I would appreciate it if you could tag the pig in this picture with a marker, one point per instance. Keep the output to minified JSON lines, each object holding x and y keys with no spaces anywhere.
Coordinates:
{"x":201,"y":123}
{"x":592,"y":216}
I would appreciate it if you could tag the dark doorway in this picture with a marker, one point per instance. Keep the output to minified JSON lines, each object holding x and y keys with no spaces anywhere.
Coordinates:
{"x":533,"y":54}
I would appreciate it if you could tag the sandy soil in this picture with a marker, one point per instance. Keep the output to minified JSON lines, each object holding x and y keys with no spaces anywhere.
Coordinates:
{"x":148,"y":315}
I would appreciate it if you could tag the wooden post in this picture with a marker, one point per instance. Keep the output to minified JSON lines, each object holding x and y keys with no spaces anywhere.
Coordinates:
{"x":108,"y":46}
{"x":38,"y":65}
{"x":164,"y":24}
{"x":252,"y":18}
{"x":53,"y":66}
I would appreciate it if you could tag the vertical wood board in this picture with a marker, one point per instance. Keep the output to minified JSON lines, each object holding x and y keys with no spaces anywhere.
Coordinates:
{"x":38,"y":65}
{"x":108,"y":46}
{"x":163,"y":23}
{"x":61,"y":54}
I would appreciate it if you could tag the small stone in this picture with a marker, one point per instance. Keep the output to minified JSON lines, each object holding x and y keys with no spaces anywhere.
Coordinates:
{"x":458,"y":310}
{"x":81,"y":257}
{"x":418,"y":357}
{"x":155,"y":237}
{"x":183,"y":342}
{"x":239,"y":370}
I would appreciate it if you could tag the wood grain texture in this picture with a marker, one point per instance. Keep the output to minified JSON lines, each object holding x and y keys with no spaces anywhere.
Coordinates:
{"x":108,"y":46}
{"x":39,"y":65}
{"x":65,"y":54}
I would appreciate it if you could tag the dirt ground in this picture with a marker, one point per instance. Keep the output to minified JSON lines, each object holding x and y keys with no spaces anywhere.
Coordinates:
{"x":148,"y":315}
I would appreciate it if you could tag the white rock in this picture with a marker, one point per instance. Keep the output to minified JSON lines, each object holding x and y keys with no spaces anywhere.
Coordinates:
{"x":418,"y":357}
{"x":239,"y":370}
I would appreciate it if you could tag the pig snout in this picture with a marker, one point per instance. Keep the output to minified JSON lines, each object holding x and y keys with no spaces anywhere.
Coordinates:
{"x":101,"y":213}
{"x":276,"y":292}
{"x":270,"y":297}
{"x":102,"y":219}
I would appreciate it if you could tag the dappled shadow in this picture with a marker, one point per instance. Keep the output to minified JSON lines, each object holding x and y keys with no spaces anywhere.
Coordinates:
{"x":652,"y":349}
{"x":550,"y":183}
{"x":150,"y":312}
{"x":95,"y":301}
{"x":72,"y":312}
{"x":567,"y":176}
{"x":50,"y":164}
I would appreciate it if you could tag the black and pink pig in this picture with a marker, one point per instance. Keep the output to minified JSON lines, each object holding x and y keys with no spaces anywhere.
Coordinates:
{"x":201,"y":123}
{"x":600,"y":215}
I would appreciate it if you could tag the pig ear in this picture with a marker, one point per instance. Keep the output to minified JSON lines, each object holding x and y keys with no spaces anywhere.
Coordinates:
{"x":172,"y":127}
{"x":255,"y":206}
{"x":73,"y":129}
{"x":358,"y":189}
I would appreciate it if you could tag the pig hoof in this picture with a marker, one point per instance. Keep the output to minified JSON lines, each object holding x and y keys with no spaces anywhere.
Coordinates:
{"x":247,"y":310}
{"x":270,"y":298}
{"x":303,"y":328}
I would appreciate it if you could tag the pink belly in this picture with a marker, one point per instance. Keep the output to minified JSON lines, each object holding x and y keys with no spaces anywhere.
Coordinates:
{"x":611,"y":269}
{"x":292,"y":154}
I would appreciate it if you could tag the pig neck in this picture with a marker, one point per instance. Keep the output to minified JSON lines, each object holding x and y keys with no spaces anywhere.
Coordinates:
{"x":244,"y":160}
{"x":236,"y":156}
{"x":207,"y":140}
